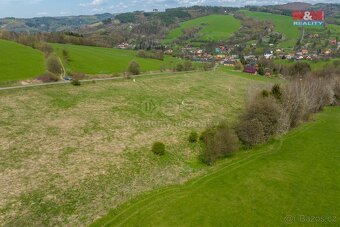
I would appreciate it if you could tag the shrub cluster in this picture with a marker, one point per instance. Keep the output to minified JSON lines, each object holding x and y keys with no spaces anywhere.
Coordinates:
{"x":193,"y":137}
{"x":153,"y":55}
{"x":134,"y":68}
{"x":186,"y":66}
{"x":158,"y":148}
{"x":219,"y":142}
{"x":53,"y":65}
{"x":284,"y":107}
{"x":274,"y":111}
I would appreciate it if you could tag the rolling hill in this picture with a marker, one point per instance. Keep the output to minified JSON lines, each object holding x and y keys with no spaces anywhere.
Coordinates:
{"x":213,"y":27}
{"x":292,"y":180}
{"x":98,"y":60}
{"x":19,"y":62}
{"x":283,"y":24}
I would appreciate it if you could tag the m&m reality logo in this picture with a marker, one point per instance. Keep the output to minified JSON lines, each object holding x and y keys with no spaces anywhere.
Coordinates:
{"x":309,"y":18}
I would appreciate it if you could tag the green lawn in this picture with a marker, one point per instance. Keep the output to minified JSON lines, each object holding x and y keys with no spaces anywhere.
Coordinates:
{"x":18,"y":62}
{"x":98,"y":60}
{"x":214,"y":27}
{"x":290,"y":180}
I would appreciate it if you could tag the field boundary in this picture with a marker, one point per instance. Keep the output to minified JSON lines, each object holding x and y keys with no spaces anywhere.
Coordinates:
{"x":97,"y":80}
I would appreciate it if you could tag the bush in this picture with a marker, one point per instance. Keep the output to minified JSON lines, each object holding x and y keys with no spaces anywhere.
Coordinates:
{"x":187,"y":66}
{"x":238,"y":67}
{"x":219,"y":142}
{"x":54,"y":66}
{"x":158,"y":148}
{"x":299,"y":69}
{"x":76,"y":82}
{"x":337,"y":92}
{"x":303,"y":97}
{"x":193,"y":137}
{"x":179,"y":67}
{"x":207,"y":66}
{"x":250,"y":132}
{"x":134,"y":68}
{"x":277,"y":92}
{"x":66,"y":55}
{"x":265,"y":93}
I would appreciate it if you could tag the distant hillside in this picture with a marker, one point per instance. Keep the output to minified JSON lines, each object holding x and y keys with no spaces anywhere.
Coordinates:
{"x":295,"y":6}
{"x":50,"y":24}
{"x":332,"y":11}
{"x":18,"y":62}
{"x":283,"y":24}
{"x":212,"y":27}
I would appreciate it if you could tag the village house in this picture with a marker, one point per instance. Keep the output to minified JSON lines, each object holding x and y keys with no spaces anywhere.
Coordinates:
{"x":304,"y":51}
{"x":229,"y":63}
{"x":328,"y":52}
{"x":123,"y":46}
{"x":250,"y":69}
{"x":268,"y":55}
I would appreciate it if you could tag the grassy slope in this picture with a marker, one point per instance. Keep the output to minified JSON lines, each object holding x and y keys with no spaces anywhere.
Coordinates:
{"x":97,"y":60}
{"x":215,"y":27}
{"x":283,"y":24}
{"x":315,"y":65}
{"x":18,"y":62}
{"x":69,"y":154}
{"x":295,"y":175}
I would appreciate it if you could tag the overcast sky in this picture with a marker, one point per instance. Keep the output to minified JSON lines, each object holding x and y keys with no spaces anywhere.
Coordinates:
{"x":36,"y":8}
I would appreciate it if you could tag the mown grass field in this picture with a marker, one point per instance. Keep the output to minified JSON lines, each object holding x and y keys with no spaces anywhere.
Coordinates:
{"x":98,"y":60}
{"x":292,"y":180}
{"x":214,"y":27}
{"x":18,"y":62}
{"x":70,"y":154}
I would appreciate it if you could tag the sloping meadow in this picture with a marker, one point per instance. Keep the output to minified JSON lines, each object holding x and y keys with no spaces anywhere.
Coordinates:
{"x":69,"y":154}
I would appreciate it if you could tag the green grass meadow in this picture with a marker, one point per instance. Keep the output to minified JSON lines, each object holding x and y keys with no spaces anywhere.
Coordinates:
{"x":98,"y":60}
{"x":82,"y":150}
{"x":294,"y":179}
{"x":19,"y":62}
{"x":214,"y":27}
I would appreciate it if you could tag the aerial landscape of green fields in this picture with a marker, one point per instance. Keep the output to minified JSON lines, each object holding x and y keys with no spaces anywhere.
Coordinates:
{"x":112,"y":114}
